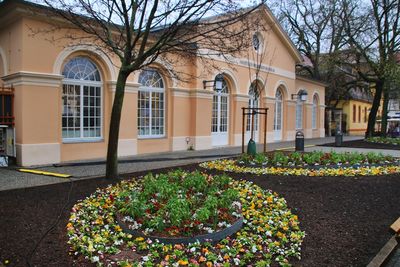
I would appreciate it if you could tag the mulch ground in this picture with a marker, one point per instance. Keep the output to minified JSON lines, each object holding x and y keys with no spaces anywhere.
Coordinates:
{"x":364,"y":144}
{"x":346,"y":219}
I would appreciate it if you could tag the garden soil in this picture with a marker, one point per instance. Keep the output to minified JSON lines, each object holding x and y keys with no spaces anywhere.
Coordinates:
{"x":346,"y":219}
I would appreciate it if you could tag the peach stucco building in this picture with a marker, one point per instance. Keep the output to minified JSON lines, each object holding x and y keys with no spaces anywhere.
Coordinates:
{"x":64,"y":94}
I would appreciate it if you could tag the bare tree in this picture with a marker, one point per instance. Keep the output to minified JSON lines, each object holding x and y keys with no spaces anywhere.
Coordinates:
{"x":259,"y":60}
{"x":138,"y":32}
{"x":374,"y":34}
{"x":317,"y":29}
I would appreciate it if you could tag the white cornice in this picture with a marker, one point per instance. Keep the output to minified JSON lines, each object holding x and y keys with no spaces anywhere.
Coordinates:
{"x":180,"y":92}
{"x":129,"y":87}
{"x":33,"y":78}
{"x":241,"y":97}
{"x":290,"y":102}
{"x":201,"y":93}
{"x":269,"y":100}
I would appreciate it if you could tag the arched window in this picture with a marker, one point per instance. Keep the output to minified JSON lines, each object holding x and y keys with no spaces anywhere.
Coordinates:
{"x":253,"y":103}
{"x":278,"y":111}
{"x":354,"y":113}
{"x":359,"y":113}
{"x":220,"y":109}
{"x":365,"y":114}
{"x":82,"y":100}
{"x":299,"y":113}
{"x":151,"y":104}
{"x":314,"y":112}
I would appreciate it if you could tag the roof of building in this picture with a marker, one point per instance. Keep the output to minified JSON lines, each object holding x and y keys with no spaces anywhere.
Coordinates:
{"x":11,"y":5}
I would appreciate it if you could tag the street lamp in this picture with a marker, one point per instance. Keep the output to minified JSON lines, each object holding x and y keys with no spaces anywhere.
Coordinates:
{"x":217,"y":83}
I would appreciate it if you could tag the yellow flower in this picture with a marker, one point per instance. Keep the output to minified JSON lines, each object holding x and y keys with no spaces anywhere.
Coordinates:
{"x":97,"y":238}
{"x":209,"y":264}
{"x":90,"y":247}
{"x":139,"y":239}
{"x":183,"y":262}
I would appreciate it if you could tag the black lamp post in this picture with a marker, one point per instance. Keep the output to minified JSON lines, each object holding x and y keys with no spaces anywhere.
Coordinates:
{"x":302,"y":95}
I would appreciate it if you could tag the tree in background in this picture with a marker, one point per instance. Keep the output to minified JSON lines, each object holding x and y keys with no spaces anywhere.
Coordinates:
{"x":391,"y":90}
{"x":317,"y":29}
{"x":138,"y":32}
{"x":373,"y":32}
{"x":357,"y":37}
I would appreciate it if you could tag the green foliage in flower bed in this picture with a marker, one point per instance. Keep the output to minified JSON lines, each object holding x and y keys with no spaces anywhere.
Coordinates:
{"x":384,"y":140}
{"x":180,"y":204}
{"x":270,"y":234}
{"x":294,"y":159}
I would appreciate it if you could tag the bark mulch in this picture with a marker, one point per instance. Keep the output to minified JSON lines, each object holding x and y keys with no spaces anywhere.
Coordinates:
{"x":346,"y":219}
{"x":364,"y":144}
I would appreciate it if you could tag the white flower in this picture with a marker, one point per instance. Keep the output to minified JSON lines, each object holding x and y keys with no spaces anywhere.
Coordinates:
{"x":95,"y":259}
{"x":221,"y":224}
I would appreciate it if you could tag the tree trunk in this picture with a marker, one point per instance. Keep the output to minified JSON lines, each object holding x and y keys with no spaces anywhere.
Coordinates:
{"x":112,"y":151}
{"x":384,"y":112}
{"x":374,"y":109}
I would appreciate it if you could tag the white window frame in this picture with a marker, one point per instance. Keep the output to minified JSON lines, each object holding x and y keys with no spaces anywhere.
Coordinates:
{"x":278,"y":103}
{"x":153,"y":90}
{"x":299,"y":114}
{"x":314,"y":112}
{"x":82,"y":84}
{"x":217,"y":100}
{"x":252,"y":103}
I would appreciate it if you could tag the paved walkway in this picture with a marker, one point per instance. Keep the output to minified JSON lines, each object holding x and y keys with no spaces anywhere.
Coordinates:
{"x":11,"y":178}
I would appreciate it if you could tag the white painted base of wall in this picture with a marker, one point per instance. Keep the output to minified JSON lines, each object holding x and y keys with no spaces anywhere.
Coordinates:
{"x":290,"y":135}
{"x":127,"y":147}
{"x":179,"y":143}
{"x":322,"y":132}
{"x":237,"y":140}
{"x":38,"y":154}
{"x":270,"y":137}
{"x":202,"y":142}
{"x":308,"y":133}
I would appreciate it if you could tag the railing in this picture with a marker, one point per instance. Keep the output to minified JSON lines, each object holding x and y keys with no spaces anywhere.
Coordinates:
{"x":7,"y":106}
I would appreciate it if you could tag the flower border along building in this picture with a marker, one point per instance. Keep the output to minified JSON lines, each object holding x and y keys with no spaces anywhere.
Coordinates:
{"x":64,"y":93}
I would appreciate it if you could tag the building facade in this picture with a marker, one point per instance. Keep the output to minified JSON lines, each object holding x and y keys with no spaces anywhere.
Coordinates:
{"x":64,"y":94}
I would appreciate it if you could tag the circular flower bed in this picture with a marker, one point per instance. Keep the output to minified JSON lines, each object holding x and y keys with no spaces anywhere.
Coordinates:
{"x":270,"y":233}
{"x":309,"y":164}
{"x":177,"y":206}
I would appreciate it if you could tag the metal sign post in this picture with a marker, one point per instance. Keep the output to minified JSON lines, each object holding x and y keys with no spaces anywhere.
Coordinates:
{"x":253,"y":112}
